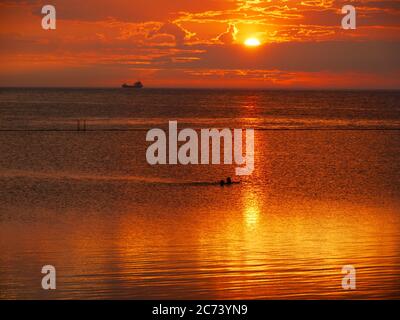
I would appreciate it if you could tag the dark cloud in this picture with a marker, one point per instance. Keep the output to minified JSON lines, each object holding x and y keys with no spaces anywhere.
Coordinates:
{"x":305,"y":56}
{"x":125,"y":10}
{"x":171,"y":29}
{"x":387,"y":4}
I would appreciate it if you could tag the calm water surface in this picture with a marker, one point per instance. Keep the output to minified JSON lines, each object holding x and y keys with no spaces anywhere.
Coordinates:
{"x":115,"y":227}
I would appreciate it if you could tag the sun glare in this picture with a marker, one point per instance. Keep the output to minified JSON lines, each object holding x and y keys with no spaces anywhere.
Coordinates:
{"x":252,"y":42}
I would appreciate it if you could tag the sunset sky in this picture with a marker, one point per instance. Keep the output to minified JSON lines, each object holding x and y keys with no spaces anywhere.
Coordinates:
{"x":201,"y":44}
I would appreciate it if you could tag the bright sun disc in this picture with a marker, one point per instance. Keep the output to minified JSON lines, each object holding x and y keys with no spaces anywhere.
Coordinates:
{"x":252,"y":42}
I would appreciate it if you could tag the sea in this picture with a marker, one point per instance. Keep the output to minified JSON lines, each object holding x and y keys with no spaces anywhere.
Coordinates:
{"x":77,"y":193}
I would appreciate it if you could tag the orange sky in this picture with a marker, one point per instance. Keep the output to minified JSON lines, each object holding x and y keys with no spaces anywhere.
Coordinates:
{"x":175,"y":43}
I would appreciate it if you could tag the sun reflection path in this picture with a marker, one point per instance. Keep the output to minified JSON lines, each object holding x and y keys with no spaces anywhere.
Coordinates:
{"x":251,"y":209}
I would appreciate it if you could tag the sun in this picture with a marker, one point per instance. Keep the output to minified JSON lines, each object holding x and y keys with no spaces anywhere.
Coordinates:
{"x":252,"y":42}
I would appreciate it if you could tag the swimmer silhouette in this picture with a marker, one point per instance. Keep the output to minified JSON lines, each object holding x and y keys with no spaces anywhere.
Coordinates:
{"x":228,"y":182}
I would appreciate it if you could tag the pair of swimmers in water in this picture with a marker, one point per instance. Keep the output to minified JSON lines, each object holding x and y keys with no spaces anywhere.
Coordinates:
{"x":228,"y":182}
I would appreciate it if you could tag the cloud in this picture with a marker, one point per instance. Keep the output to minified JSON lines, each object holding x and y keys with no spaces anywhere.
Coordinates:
{"x":338,"y":56}
{"x":387,"y":4}
{"x":123,"y":10}
{"x":174,"y":30}
{"x":229,"y":36}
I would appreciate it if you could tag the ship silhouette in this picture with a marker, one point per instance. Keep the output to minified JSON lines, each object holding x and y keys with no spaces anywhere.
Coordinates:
{"x":136,"y":85}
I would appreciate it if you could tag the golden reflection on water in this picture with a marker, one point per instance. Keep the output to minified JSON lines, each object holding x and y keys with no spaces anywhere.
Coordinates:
{"x":251,"y":209}
{"x":285,"y":232}
{"x":246,"y":251}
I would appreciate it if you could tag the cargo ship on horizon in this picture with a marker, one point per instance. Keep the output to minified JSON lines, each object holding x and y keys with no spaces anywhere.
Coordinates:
{"x":136,"y":85}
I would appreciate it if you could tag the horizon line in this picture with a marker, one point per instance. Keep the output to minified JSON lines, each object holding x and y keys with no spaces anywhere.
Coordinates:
{"x":206,"y":88}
